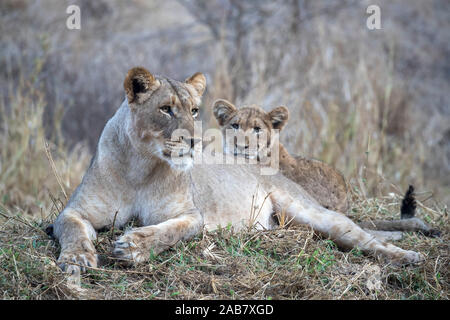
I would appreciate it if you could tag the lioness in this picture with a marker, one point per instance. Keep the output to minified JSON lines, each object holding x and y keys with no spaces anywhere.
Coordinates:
{"x":140,"y":171}
{"x":324,"y":183}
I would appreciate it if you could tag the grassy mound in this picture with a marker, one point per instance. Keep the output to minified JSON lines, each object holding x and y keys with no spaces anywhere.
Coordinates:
{"x":287,"y":263}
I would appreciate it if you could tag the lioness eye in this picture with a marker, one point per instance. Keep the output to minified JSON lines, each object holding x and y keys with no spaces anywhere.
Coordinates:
{"x":235,"y":126}
{"x":166,"y":110}
{"x":194,"y":112}
{"x":257,"y":129}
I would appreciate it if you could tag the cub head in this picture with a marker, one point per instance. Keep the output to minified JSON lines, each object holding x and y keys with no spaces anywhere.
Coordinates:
{"x":248,"y":131}
{"x":162,"y":114}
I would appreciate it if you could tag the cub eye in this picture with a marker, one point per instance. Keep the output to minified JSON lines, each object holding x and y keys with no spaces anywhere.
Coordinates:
{"x":235,"y":126}
{"x":166,"y":109}
{"x":194,"y":112}
{"x":257,"y":129}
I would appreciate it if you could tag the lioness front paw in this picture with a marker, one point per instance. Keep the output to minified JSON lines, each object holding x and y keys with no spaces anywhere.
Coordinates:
{"x":126,"y":250}
{"x":135,"y":246}
{"x":74,"y":262}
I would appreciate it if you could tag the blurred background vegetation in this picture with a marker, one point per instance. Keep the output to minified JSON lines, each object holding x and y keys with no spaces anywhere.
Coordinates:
{"x":373,"y":103}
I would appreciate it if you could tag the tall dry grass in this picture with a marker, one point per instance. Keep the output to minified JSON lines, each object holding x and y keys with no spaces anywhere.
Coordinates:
{"x":36,"y":170}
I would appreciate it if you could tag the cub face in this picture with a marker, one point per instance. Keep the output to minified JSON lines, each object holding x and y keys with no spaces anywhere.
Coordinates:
{"x":163,"y":113}
{"x":248,"y":131}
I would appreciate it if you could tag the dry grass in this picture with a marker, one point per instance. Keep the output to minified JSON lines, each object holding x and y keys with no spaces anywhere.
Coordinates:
{"x":26,"y":176}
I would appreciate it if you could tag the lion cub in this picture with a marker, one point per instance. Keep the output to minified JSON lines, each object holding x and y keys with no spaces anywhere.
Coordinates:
{"x":324,"y":183}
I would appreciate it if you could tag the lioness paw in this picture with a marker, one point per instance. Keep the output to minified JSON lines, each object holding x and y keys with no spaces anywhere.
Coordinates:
{"x":135,"y":246}
{"x":74,"y":262}
{"x":126,"y":249}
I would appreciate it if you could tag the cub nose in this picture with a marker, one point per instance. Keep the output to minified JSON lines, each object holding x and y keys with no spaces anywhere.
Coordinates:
{"x":191,"y":141}
{"x":245,"y":144}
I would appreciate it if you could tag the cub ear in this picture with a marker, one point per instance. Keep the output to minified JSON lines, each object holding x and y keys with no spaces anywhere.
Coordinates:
{"x":198,"y":81}
{"x":223,"y":110}
{"x":138,"y":85}
{"x":279,"y":117}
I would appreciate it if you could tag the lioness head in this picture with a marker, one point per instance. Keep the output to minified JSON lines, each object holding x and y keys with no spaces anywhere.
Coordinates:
{"x":248,"y":131}
{"x":163,"y":113}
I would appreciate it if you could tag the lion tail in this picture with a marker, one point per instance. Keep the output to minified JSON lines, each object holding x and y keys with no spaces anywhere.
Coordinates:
{"x":408,"y":208}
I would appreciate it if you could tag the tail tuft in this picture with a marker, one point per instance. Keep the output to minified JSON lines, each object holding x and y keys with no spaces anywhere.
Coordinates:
{"x":49,"y":231}
{"x":408,"y":208}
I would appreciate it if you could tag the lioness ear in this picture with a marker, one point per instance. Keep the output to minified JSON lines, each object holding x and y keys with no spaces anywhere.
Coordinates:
{"x":138,"y":85}
{"x":223,"y":110}
{"x":279,"y":117}
{"x":198,"y":81}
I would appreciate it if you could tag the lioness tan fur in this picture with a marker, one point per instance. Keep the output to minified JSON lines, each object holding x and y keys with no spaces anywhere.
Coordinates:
{"x":140,"y":171}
